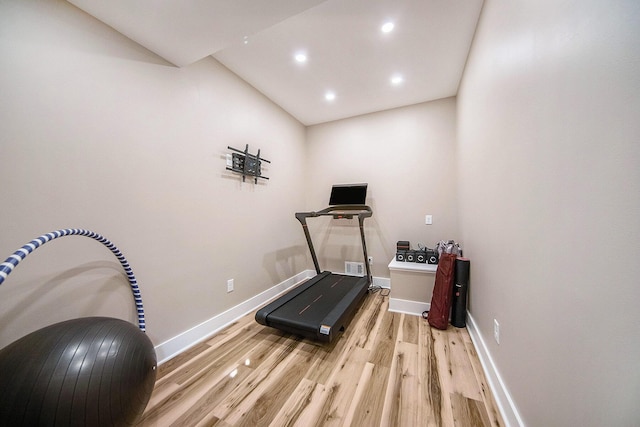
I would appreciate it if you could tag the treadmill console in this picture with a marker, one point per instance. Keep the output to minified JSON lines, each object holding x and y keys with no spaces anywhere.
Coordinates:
{"x":342,"y":215}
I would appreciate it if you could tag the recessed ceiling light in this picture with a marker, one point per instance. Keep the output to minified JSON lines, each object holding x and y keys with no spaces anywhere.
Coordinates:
{"x":396,"y":79}
{"x":387,"y":27}
{"x":330,"y":96}
{"x":301,"y":57}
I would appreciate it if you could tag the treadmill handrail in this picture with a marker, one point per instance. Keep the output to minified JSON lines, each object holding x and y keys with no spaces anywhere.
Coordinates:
{"x":360,"y":210}
{"x":338,"y":211}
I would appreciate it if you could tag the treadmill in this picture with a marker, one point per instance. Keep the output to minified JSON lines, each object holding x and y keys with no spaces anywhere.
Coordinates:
{"x":323,"y":306}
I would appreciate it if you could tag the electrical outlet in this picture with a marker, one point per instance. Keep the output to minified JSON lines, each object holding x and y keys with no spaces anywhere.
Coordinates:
{"x":496,"y":331}
{"x":428,"y":219}
{"x":229,"y":285}
{"x":370,"y":259}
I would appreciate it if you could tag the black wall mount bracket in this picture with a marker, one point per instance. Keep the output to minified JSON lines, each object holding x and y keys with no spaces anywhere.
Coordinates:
{"x":247,"y":164}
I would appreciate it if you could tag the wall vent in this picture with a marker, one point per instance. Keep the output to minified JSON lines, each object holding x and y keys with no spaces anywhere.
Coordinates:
{"x":354,"y":268}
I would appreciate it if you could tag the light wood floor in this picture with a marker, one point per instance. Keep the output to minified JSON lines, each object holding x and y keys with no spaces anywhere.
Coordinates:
{"x":387,"y":369}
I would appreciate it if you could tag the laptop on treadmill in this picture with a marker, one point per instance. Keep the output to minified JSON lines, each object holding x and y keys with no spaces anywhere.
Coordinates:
{"x":348,"y":194}
{"x":345,"y":198}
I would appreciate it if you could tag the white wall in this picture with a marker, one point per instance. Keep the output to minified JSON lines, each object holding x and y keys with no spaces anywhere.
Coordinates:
{"x":549,"y":196}
{"x":98,"y":133}
{"x":407,"y":156}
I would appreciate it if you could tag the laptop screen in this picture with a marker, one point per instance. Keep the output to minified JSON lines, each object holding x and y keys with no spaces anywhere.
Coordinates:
{"x":348,"y":194}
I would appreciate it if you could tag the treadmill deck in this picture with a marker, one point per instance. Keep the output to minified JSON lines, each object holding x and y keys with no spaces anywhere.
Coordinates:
{"x":319,"y":308}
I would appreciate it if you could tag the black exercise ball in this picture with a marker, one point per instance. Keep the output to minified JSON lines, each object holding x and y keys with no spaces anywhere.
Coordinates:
{"x":94,"y":371}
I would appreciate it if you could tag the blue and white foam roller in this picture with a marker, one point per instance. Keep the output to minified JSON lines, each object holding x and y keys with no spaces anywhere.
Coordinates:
{"x":10,"y":263}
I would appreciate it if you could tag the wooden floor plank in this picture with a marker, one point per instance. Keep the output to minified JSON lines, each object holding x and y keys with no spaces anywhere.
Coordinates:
{"x":204,"y":360}
{"x":342,"y":388}
{"x":463,"y":376}
{"x":235,"y":369}
{"x":483,"y":386}
{"x":369,"y":407}
{"x":221,"y":364}
{"x":408,"y":401}
{"x":386,"y":369}
{"x":430,"y":386}
{"x":363,"y":385}
{"x":239,"y":399}
{"x":270,"y":396}
{"x":181,"y":359}
{"x":365,"y":323}
{"x":302,"y":407}
{"x":440,"y":363}
{"x":410,"y":329}
{"x":380,"y":306}
{"x":382,"y":352}
{"x":468,"y":412}
{"x":195,"y":387}
{"x":200,"y":410}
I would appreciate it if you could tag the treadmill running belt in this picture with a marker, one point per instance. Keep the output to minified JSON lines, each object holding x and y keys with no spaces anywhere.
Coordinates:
{"x":317,"y":309}
{"x":317,"y":301}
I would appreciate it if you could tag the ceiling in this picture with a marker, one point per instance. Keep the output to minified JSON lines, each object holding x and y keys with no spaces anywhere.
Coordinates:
{"x":346,"y":51}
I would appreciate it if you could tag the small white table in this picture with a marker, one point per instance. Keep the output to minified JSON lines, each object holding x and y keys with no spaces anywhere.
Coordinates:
{"x":411,"y":286}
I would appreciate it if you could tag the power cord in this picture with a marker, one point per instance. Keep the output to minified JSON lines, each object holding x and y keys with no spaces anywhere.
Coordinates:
{"x":377,"y":288}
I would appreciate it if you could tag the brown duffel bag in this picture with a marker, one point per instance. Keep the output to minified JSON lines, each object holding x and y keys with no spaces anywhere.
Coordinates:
{"x":438,"y":316}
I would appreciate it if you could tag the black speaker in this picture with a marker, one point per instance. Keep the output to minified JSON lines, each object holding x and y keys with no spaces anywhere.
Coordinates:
{"x":411,"y":256}
{"x":401,"y":256}
{"x":421,"y":257}
{"x":432,"y":256}
{"x":403,"y":245}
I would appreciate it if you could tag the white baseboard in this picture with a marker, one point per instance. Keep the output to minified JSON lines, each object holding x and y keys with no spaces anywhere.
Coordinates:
{"x":176,"y":345}
{"x":408,"y":307}
{"x":383,"y":282}
{"x":506,"y":406}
